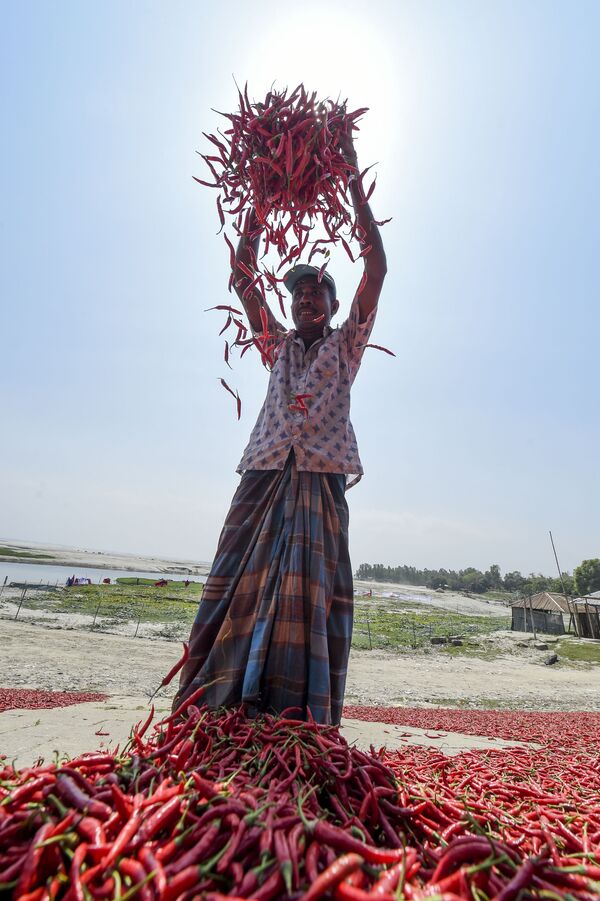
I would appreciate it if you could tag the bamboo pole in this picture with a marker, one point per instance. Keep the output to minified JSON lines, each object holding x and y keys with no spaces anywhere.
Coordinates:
{"x":532,"y":621}
{"x":562,"y":582}
{"x":22,"y":598}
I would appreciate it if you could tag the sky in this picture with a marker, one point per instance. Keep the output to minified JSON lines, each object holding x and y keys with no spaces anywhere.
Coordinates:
{"x":484,"y":122}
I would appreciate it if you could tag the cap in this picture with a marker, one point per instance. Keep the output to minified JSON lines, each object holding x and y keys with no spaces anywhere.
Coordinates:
{"x":302,"y":270}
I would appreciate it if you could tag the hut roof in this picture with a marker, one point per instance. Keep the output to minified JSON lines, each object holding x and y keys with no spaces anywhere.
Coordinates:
{"x":589,"y":600}
{"x":544,"y":600}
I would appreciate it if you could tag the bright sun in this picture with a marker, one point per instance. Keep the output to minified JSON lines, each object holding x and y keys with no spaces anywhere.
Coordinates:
{"x":355,"y":63}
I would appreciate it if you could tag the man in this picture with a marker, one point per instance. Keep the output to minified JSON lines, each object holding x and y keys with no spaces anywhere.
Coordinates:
{"x":274,"y":626}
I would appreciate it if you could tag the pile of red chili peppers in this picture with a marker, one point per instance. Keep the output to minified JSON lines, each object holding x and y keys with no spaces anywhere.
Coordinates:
{"x":212,"y":804}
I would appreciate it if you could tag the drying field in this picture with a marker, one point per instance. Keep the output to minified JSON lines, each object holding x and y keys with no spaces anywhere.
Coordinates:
{"x":213,"y":805}
{"x":463,"y":803}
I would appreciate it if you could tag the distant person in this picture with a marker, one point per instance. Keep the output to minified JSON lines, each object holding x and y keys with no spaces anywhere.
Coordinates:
{"x":274,"y":626}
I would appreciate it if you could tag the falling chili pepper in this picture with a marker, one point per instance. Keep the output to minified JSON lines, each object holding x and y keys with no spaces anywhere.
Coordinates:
{"x":379,"y":347}
{"x":186,"y":645}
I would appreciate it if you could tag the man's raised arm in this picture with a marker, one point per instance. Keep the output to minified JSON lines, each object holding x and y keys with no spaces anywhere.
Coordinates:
{"x":247,"y":255}
{"x":375,"y":261}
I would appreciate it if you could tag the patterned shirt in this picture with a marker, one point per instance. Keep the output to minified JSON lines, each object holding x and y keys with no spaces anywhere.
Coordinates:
{"x":322,"y":438}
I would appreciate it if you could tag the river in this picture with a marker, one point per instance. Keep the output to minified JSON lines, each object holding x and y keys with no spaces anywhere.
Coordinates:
{"x":43,"y":573}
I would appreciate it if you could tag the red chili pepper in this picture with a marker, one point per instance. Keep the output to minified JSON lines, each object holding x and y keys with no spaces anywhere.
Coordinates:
{"x":37,"y":894}
{"x":390,"y":879}
{"x":271,"y":888}
{"x":180,"y":883}
{"x":31,"y":861}
{"x":337,"y":838}
{"x":370,"y":191}
{"x":345,"y":891}
{"x":75,"y":872}
{"x":153,"y":865}
{"x":165,"y":815}
{"x":28,"y":789}
{"x":180,"y":663}
{"x":137,"y":874}
{"x":221,"y":214}
{"x":231,"y":252}
{"x":70,"y":792}
{"x":125,"y":836}
{"x":207,"y":184}
{"x":521,"y":880}
{"x":198,"y":852}
{"x":234,"y":394}
{"x":231,"y":310}
{"x":91,"y":761}
{"x":334,"y":874}
{"x":92,"y":830}
{"x":139,"y":733}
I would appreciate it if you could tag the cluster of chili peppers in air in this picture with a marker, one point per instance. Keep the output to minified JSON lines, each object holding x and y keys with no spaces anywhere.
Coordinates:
{"x":211,"y":804}
{"x":281,"y":173}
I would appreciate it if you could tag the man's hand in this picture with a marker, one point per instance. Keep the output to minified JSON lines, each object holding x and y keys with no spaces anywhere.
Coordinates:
{"x":348,"y":151}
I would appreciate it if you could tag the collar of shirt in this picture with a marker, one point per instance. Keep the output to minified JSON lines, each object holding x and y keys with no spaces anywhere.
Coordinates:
{"x":293,"y":334}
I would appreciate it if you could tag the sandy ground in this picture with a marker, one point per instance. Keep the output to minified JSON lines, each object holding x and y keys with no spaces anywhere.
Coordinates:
{"x":129,"y":670}
{"x":451,"y":601}
{"x":68,"y":659}
{"x":65,"y":556}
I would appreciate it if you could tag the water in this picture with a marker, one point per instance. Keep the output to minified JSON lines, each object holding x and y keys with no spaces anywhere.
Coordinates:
{"x":42,"y":573}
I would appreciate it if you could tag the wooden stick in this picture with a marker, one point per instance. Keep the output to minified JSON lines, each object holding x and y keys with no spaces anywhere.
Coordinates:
{"x":574,"y":617}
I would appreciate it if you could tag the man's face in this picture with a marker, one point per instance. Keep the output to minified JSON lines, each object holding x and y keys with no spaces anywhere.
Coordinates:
{"x":312,"y":307}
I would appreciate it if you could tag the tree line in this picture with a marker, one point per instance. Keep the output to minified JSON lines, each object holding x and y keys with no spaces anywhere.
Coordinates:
{"x":584,"y":580}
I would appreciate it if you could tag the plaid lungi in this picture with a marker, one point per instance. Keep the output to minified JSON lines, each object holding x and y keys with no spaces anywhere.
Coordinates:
{"x":274,"y":625}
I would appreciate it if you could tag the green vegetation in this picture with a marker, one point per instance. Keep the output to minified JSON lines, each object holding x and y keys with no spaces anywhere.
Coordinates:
{"x":129,"y":602}
{"x":135,"y":580}
{"x":470,"y":580}
{"x":395,"y":625}
{"x":19,"y":554}
{"x":474,"y":649}
{"x":578,"y":650}
{"x":587,"y":576}
{"x":403,"y":629}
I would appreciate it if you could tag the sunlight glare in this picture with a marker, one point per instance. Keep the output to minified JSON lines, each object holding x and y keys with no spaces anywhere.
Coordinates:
{"x":355,"y":63}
